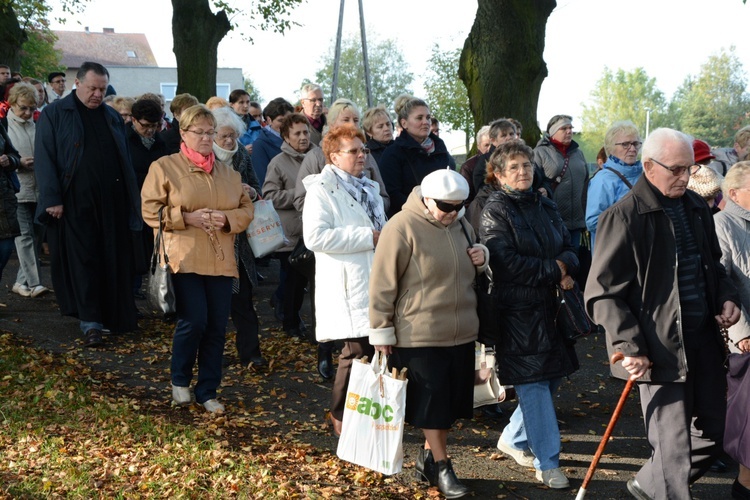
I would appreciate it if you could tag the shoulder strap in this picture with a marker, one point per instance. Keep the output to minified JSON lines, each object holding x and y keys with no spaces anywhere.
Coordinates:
{"x":622,"y":177}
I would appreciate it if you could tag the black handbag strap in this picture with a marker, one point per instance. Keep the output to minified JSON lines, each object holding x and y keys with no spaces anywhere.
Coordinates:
{"x":488,"y":270}
{"x":156,"y":258}
{"x":622,"y":177}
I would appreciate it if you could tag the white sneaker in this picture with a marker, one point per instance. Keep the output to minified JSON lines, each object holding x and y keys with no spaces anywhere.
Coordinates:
{"x":554,"y":478}
{"x":522,"y":457}
{"x":21,"y":290}
{"x":38,"y":290}
{"x":181,"y":395}
{"x":213,"y":406}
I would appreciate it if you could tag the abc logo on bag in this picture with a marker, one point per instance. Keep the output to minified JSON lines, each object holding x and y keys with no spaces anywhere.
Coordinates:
{"x":366,"y":406}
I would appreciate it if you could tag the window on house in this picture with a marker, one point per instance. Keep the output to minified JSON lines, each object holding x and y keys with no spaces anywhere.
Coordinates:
{"x":130,"y":53}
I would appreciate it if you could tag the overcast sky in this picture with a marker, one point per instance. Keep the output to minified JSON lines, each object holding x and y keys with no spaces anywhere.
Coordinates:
{"x":669,"y":38}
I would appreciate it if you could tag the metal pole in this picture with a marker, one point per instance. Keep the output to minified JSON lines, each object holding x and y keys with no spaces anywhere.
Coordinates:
{"x":648,"y":120}
{"x":368,"y":84}
{"x":337,"y":56}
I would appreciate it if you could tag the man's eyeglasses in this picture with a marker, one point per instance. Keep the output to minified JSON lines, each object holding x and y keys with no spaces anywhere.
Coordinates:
{"x":678,"y":171}
{"x":364,"y":151}
{"x":317,"y":100}
{"x":210,"y":134}
{"x":628,"y":144}
{"x":148,"y":126}
{"x":446,"y":207}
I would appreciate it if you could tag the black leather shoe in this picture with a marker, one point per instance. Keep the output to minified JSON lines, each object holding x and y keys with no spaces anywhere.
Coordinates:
{"x":492,"y":411}
{"x":447,"y":482}
{"x":325,"y":363}
{"x":257,"y":361}
{"x":739,"y":492}
{"x":718,"y":466}
{"x":93,"y":338}
{"x":425,"y":465}
{"x":635,"y":489}
{"x":278,"y":308}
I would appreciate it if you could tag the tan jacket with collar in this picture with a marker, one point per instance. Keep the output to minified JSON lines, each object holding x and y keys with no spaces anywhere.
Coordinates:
{"x":174,"y":183}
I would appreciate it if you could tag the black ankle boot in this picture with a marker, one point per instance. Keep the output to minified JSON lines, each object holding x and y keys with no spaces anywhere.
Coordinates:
{"x":425,"y":466}
{"x":739,"y":492}
{"x":447,"y":482}
{"x":325,"y":361}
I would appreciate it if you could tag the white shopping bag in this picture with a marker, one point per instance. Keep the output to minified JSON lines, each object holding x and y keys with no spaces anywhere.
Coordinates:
{"x":265,"y":233}
{"x":373,"y":427}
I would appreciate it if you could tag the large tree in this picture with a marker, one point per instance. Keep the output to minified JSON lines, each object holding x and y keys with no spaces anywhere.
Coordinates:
{"x":623,"y":95}
{"x":390,"y":75}
{"x":446,"y":93}
{"x":12,"y":36}
{"x":501,"y":63}
{"x":197,"y":31}
{"x":714,"y":104}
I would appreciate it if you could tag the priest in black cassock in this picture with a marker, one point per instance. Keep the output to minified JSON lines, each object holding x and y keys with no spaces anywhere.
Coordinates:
{"x":89,"y":200}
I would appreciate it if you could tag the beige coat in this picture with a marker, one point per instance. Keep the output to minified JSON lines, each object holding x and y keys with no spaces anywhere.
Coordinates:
{"x":421,"y":285}
{"x":279,"y":186}
{"x":174,"y":183}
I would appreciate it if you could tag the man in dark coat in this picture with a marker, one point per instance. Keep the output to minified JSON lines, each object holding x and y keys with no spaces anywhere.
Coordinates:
{"x":658,"y":288}
{"x":89,"y":199}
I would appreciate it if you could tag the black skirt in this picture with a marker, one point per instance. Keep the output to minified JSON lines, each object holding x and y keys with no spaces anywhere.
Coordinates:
{"x":441,"y":384}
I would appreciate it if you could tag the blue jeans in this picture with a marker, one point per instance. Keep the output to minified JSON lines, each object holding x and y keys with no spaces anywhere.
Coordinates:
{"x":203,"y":304}
{"x":6,"y":250}
{"x":533,"y":426}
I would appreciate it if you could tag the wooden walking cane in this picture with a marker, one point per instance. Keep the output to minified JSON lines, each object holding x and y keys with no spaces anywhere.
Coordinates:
{"x":618,"y":356}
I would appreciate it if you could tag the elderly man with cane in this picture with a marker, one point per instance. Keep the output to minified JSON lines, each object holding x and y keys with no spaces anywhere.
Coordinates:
{"x":662,"y":307}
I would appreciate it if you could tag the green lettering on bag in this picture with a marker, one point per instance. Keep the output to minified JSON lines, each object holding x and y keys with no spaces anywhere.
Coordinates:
{"x":366,"y":406}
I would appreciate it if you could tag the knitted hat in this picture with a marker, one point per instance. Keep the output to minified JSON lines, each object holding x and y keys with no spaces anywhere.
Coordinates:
{"x":556,"y":124}
{"x":445,"y":184}
{"x":706,"y":182}
{"x":702,"y":151}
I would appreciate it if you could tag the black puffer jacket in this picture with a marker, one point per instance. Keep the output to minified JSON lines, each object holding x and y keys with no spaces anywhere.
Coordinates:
{"x":525,"y":235}
{"x":404,"y":164}
{"x":9,"y":227}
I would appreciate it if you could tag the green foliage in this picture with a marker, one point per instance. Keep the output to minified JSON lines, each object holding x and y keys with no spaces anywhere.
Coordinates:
{"x":250,"y":89}
{"x":389,"y":71}
{"x":446,"y":93}
{"x":38,"y":54}
{"x":265,"y":15}
{"x":714,"y":104}
{"x":622,"y":95}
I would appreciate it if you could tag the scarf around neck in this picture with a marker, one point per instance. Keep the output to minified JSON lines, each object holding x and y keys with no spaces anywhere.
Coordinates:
{"x":146,"y":141}
{"x":562,"y":148}
{"x":364,"y":193}
{"x":205,"y":163}
{"x":225,"y":155}
{"x":428,"y":145}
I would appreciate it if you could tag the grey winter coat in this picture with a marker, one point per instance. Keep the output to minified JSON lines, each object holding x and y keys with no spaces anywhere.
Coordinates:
{"x":733,"y":231}
{"x":568,"y":194}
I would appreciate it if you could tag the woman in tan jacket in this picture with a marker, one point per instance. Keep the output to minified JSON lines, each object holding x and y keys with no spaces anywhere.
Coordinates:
{"x":203,"y":206}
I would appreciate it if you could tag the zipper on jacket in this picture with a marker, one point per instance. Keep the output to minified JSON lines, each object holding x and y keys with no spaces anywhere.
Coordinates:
{"x":457,"y":281}
{"x":679,"y":307}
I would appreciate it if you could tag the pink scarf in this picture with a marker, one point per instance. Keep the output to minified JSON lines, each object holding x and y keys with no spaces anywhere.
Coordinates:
{"x":204,"y":162}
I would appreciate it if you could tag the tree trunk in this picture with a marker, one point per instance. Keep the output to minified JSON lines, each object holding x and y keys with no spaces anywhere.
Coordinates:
{"x":197,"y":33}
{"x":12,"y":37}
{"x":502,"y":65}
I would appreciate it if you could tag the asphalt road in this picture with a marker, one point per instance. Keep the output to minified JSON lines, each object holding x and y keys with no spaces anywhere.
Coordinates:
{"x":140,"y":362}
